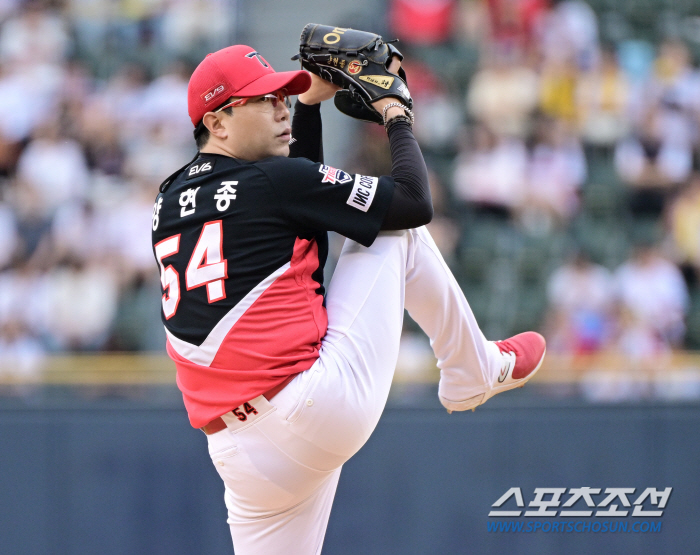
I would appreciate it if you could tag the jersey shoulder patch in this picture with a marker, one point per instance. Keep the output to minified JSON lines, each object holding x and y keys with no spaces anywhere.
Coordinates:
{"x":333,"y":175}
{"x":199,"y":168}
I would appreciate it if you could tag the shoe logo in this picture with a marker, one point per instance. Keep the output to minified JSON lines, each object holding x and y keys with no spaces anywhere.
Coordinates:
{"x":505,"y":369}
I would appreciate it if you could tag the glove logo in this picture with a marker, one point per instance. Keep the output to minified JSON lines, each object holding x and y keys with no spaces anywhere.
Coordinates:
{"x":354,"y":67}
{"x":334,"y":34}
{"x":357,"y":62}
{"x":377,"y":80}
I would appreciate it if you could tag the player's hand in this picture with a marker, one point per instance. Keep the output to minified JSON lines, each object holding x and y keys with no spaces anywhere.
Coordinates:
{"x":379,"y":104}
{"x":319,"y":91}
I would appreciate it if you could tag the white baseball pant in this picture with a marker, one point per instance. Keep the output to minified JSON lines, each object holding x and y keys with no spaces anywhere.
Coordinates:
{"x":281,"y":467}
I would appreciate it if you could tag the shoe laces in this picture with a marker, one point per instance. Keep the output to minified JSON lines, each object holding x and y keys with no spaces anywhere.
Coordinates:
{"x":506,"y":347}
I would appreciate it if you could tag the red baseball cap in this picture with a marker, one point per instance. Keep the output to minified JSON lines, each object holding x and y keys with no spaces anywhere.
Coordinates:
{"x":237,"y":71}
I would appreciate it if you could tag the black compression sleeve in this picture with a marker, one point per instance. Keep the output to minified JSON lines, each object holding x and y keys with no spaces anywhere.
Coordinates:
{"x":411,"y":206}
{"x":307,"y":133}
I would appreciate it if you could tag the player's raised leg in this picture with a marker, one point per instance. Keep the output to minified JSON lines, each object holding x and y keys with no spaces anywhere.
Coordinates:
{"x":472,"y":369}
{"x":365,"y":305}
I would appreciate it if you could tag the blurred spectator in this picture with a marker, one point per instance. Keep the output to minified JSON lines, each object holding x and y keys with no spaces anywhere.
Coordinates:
{"x":54,"y":167}
{"x":21,"y":355}
{"x":472,"y":23}
{"x":33,"y":223}
{"x":370,"y":156}
{"x":137,"y":325}
{"x":134,"y":26}
{"x":9,"y":153}
{"x":91,"y":21}
{"x":79,"y":231}
{"x":653,"y":299}
{"x":636,"y":59}
{"x":651,"y":161}
{"x":9,"y":237}
{"x":602,"y":98}
{"x":503,"y":93}
{"x":581,"y":299}
{"x":7,"y":7}
{"x":441,"y":115}
{"x":119,"y":104}
{"x":82,"y":301}
{"x":200,"y":25}
{"x":28,"y":96}
{"x":24,"y":299}
{"x":443,"y":229}
{"x":558,"y":83}
{"x":75,"y":88}
{"x":570,"y":34}
{"x":514,"y":23}
{"x":684,"y":224}
{"x":491,"y":172}
{"x":422,"y":22}
{"x":556,"y":171}
{"x":676,"y":81}
{"x":165,"y":104}
{"x":155,"y":156}
{"x":104,"y":153}
{"x":34,"y":36}
{"x":128,"y":232}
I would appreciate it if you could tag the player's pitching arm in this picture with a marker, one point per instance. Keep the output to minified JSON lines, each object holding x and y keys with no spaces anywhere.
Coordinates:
{"x":411,"y":204}
{"x":307,"y":132}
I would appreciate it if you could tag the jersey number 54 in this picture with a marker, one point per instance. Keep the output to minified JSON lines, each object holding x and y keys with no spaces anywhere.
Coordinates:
{"x":207,"y":266}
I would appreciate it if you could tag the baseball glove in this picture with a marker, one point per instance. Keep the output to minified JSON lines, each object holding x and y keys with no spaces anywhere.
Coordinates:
{"x":358,"y":62}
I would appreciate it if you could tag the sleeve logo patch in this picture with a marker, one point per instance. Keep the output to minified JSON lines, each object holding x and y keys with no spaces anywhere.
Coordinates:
{"x":202,"y":168}
{"x":363,"y":192}
{"x":332,"y":175}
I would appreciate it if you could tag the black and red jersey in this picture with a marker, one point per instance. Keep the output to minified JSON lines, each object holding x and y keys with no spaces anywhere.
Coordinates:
{"x":241,"y":248}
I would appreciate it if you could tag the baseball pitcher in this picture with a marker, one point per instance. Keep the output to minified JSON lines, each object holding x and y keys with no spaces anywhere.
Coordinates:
{"x":288,"y":379}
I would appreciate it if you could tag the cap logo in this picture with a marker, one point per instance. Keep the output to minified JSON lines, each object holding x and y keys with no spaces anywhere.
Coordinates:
{"x":212,"y":93}
{"x":258,"y":56}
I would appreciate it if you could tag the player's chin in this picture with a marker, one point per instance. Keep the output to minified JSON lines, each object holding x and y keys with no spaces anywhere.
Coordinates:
{"x":282,"y":148}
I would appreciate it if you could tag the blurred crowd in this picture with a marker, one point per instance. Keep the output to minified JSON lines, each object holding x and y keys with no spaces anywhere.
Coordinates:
{"x":93,"y":116}
{"x":519,"y":105}
{"x":531,"y":119}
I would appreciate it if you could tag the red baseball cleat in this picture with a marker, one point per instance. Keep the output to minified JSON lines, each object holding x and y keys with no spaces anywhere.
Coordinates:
{"x":522,"y":357}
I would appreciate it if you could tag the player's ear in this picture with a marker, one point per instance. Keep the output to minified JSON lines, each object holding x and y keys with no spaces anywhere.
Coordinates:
{"x":213,"y":123}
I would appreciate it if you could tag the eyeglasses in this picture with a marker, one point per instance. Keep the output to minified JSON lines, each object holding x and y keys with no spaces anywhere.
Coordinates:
{"x":273,"y":99}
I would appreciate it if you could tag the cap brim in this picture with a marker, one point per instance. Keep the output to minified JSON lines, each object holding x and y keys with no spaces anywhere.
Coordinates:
{"x":296,"y":82}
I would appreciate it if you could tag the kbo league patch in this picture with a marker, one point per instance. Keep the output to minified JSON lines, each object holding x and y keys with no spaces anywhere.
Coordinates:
{"x":334,"y":176}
